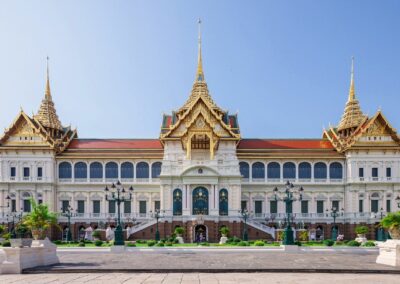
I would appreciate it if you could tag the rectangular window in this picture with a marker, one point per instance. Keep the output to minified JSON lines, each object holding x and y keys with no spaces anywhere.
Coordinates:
{"x":273,"y":206}
{"x":361,"y":172}
{"x":374,"y":206}
{"x":243,"y":205}
{"x":388,"y":207}
{"x":13,"y":171}
{"x":26,"y":172}
{"x":142,"y":207}
{"x":13,"y":205}
{"x":320,"y":206}
{"x":388,"y":172}
{"x":157,"y":205}
{"x":27,"y":205}
{"x":258,"y":207}
{"x":361,"y":206}
{"x":111,"y":206}
{"x":81,"y":206}
{"x":40,"y":172}
{"x":64,"y":205}
{"x":96,"y":206}
{"x":335,"y":204}
{"x":304,"y":206}
{"x":289,"y":207}
{"x":127,"y":207}
{"x":374,"y":172}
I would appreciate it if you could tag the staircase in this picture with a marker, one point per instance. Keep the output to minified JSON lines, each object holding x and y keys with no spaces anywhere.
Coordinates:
{"x":141,"y":226}
{"x":262,"y":227}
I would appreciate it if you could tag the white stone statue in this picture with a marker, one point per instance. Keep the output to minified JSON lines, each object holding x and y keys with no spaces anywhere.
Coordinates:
{"x":88,"y":233}
{"x":109,"y":234}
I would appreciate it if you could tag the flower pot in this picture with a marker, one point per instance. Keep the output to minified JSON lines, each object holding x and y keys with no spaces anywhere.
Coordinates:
{"x":361,"y":236}
{"x":20,"y":243}
{"x":395,"y":233}
{"x":38,"y":234}
{"x":224,"y":235}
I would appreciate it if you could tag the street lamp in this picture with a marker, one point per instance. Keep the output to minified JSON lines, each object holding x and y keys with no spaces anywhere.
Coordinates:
{"x":67,"y":212}
{"x":288,"y":198}
{"x":398,"y":201}
{"x":334,"y":214}
{"x":157,"y":215}
{"x":245,"y":215}
{"x":8,"y":198}
{"x":380,"y":235}
{"x":118,"y":194}
{"x":15,"y":216}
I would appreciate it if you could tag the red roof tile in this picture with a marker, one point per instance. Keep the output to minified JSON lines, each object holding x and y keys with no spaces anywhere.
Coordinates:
{"x":284,"y":144}
{"x":115,"y":144}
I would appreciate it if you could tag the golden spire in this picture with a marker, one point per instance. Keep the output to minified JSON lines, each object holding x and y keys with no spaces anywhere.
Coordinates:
{"x":199,"y":73}
{"x":352,"y":116}
{"x":47,"y":114}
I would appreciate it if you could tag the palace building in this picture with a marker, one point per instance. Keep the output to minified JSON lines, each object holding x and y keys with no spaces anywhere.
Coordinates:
{"x":200,"y":173}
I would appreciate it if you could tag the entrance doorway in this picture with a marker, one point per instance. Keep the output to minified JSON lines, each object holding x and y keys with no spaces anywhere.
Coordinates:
{"x":200,"y":234}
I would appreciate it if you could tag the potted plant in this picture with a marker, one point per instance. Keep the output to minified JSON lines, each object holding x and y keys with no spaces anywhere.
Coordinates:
{"x":224,"y":231}
{"x":179,"y":231}
{"x":39,"y":220}
{"x":391,"y":222}
{"x":361,"y":231}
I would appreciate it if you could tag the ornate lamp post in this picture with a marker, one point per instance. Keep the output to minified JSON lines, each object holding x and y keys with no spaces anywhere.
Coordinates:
{"x":118,"y":194}
{"x":288,"y":198}
{"x":398,"y":201}
{"x":15,"y":216}
{"x":381,"y":232}
{"x":67,"y":212}
{"x":245,"y":216}
{"x":334,"y":215}
{"x":157,"y":214}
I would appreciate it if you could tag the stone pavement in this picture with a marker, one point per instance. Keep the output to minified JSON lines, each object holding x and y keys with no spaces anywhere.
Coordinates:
{"x":200,"y":278}
{"x":212,"y":260}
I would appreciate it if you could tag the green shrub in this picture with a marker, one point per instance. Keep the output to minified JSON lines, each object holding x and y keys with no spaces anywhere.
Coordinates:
{"x":243,"y":244}
{"x":160,"y":244}
{"x":303,"y":236}
{"x":204,"y":244}
{"x":259,"y":243}
{"x":353,"y":243}
{"x":297,"y":243}
{"x":96,"y":234}
{"x":130,"y":244}
{"x":6,"y":236}
{"x":179,"y":230}
{"x":81,"y":244}
{"x":2,"y":229}
{"x":176,"y":241}
{"x":6,"y":243}
{"x":391,"y":221}
{"x":329,"y":242}
{"x":58,"y":242}
{"x":339,"y":243}
{"x":151,"y":243}
{"x":141,"y":241}
{"x":98,"y":243}
{"x":361,"y":230}
{"x":369,"y":244}
{"x":168,"y":244}
{"x":224,"y":230}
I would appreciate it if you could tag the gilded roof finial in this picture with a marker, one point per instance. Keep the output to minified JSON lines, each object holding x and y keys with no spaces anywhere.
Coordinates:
{"x":47,"y":91}
{"x":199,"y":73}
{"x":352,"y":94}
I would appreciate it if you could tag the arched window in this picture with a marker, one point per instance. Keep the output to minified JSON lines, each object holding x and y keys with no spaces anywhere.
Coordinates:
{"x":96,"y":170}
{"x":112,"y":170}
{"x":142,"y":170}
{"x":200,"y":201}
{"x":274,"y":170}
{"x":156,"y":170}
{"x":80,"y":170}
{"x":320,"y":170}
{"x":64,"y":170}
{"x":177,"y":202}
{"x":244,"y":169}
{"x":289,"y":170}
{"x":336,"y":170}
{"x":258,"y":170}
{"x":127,"y":170}
{"x":305,"y":170}
{"x":223,"y":202}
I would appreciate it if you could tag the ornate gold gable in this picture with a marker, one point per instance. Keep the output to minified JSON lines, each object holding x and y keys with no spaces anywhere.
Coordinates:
{"x":200,"y":123}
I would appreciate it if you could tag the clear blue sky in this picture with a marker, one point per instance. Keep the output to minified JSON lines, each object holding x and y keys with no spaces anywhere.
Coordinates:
{"x":116,"y":66}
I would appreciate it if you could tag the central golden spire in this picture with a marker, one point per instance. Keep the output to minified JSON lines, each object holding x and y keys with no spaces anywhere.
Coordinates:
{"x":199,"y":73}
{"x":352,"y":94}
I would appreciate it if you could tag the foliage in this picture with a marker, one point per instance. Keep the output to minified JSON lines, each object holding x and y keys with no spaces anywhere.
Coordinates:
{"x":6,"y":243}
{"x":361,"y":230}
{"x":369,"y":244}
{"x":96,"y":234}
{"x":168,"y":244}
{"x":2,"y":229}
{"x":303,"y":236}
{"x":204,"y":244}
{"x":297,"y":243}
{"x":6,"y":236}
{"x":58,"y":242}
{"x":40,"y":218}
{"x":224,"y":230}
{"x":259,"y":243}
{"x":98,"y":243}
{"x":328,"y":242}
{"x":243,"y":244}
{"x":160,"y":244}
{"x":281,"y":235}
{"x":179,"y":230}
{"x":140,"y":241}
{"x":339,"y":243}
{"x":81,"y":244}
{"x":130,"y":244}
{"x":391,"y":221}
{"x":233,"y":240}
{"x":353,"y":243}
{"x":151,"y":243}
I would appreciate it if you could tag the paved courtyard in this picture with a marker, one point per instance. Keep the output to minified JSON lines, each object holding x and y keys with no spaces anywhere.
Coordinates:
{"x":218,"y":260}
{"x":196,"y":278}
